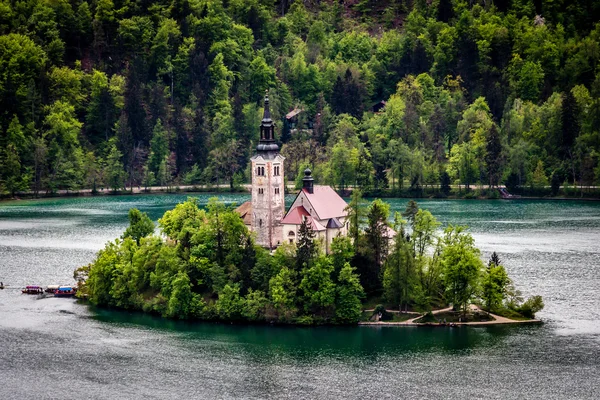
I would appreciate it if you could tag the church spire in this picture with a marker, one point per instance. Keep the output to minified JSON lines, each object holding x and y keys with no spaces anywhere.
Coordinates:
{"x":267,"y":130}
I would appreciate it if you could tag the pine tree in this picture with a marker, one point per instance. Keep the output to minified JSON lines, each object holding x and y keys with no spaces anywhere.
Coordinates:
{"x":306,"y":246}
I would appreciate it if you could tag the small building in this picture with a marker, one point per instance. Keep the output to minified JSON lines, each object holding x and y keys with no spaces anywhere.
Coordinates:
{"x":324,"y":210}
{"x":379,"y":106}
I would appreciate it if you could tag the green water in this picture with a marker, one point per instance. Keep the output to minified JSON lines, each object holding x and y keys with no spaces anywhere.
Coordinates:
{"x":58,"y":348}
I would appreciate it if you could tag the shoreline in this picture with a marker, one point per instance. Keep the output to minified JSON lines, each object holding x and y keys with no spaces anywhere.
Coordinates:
{"x":245,"y":188}
{"x":455,"y":324}
{"x":498,"y":320}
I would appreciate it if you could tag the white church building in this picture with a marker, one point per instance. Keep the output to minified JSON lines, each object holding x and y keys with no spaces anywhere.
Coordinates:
{"x":265,"y":215}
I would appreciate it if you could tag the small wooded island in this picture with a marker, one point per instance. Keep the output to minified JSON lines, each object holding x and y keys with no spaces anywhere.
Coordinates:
{"x":314,"y":264}
{"x":205,"y":265}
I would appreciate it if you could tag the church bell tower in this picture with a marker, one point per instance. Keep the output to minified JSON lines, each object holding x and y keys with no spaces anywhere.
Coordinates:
{"x":268,"y":184}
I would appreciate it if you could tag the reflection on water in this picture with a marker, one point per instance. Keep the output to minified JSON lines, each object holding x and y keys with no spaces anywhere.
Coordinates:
{"x":549,"y":248}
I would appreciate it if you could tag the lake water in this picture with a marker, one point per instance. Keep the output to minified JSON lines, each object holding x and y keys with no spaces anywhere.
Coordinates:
{"x":58,"y":348}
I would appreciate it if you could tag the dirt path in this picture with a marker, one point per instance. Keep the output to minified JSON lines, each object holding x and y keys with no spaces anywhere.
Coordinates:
{"x":498,"y":320}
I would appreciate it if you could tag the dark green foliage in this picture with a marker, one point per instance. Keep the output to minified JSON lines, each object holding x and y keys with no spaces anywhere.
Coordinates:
{"x":179,"y":88}
{"x":306,"y":246}
{"x":205,"y":265}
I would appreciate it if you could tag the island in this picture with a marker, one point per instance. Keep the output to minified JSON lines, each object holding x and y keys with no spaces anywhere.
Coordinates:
{"x":204,"y":264}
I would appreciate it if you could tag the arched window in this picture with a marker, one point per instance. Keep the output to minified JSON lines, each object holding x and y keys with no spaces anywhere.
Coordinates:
{"x":291,"y":234}
{"x":260,"y":223}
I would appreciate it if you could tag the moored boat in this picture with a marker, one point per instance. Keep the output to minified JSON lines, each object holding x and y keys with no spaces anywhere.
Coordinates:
{"x":32,"y":289}
{"x":51,"y":288}
{"x":64,"y":291}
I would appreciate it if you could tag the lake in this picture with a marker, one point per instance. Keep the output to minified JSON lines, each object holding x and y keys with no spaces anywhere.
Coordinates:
{"x":59,"y":348}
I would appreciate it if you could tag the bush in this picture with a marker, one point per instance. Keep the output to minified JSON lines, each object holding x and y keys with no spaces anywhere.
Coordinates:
{"x":531,"y":306}
{"x":305,"y":320}
{"x":385,"y":315}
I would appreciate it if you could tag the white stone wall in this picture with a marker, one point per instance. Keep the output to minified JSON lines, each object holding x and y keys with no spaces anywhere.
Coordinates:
{"x":268,"y":200}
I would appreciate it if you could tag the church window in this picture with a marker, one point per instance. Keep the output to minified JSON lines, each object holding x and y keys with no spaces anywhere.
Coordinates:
{"x":260,"y":223}
{"x":276,"y":190}
{"x":276,"y":170}
{"x":260,"y":171}
{"x":261,"y":191}
{"x":291,"y":234}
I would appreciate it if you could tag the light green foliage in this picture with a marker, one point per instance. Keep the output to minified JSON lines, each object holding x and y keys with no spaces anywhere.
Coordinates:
{"x":256,"y":304}
{"x":185,"y":216}
{"x":115,"y":175}
{"x":230,"y":305}
{"x":317,"y":287}
{"x":494,"y":286}
{"x":349,"y":294}
{"x":539,"y":179}
{"x":159,"y":147}
{"x":282,"y":292}
{"x":462,"y":267}
{"x":531,"y":306}
{"x":182,"y":303}
{"x":342,"y":251}
{"x":140,"y":225}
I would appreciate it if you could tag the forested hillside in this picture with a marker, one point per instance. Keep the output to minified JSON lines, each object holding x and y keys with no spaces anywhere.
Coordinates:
{"x":112,"y":93}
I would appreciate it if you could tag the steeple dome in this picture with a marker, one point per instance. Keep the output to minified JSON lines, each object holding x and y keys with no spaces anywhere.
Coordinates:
{"x":267,"y":131}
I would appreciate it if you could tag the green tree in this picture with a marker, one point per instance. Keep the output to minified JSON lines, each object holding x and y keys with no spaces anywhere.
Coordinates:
{"x":318,"y":290}
{"x":348,"y":298}
{"x":494,"y":284}
{"x":462,"y":267}
{"x":140,"y":225}
{"x":357,"y":213}
{"x":115,"y":174}
{"x":282,"y":292}
{"x":306,"y":246}
{"x":159,"y":147}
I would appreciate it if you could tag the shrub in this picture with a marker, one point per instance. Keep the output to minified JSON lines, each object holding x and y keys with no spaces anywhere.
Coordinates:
{"x":531,"y":306}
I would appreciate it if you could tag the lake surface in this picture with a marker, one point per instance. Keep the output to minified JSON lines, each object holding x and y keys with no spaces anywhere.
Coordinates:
{"x":58,"y":348}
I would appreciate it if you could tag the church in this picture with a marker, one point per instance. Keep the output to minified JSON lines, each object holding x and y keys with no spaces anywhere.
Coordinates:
{"x":266,"y":216}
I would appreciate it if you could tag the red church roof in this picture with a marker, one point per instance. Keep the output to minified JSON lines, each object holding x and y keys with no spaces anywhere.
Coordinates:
{"x":326,"y":202}
{"x":296,"y":215}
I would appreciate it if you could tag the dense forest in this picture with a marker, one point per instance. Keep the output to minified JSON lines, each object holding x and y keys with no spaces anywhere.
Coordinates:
{"x":389,"y":95}
{"x":205,"y":265}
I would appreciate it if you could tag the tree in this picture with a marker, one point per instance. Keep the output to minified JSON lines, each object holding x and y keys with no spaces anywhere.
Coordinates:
{"x":399,"y":276}
{"x":356,"y":210}
{"x":348,"y":298}
{"x":494,"y":284}
{"x":140,"y":225}
{"x":282,"y":291}
{"x":376,"y":243}
{"x":115,"y":174}
{"x":539,"y":180}
{"x":318,"y":290}
{"x":461,"y":265}
{"x":230,"y":306}
{"x":159,"y":147}
{"x":493,"y":158}
{"x":306,"y":246}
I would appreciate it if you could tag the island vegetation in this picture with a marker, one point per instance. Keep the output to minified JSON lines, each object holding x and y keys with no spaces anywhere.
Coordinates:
{"x":392,"y":97}
{"x":204,"y":264}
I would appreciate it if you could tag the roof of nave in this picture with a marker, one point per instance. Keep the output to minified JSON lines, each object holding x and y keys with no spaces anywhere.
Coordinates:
{"x":326,"y":202}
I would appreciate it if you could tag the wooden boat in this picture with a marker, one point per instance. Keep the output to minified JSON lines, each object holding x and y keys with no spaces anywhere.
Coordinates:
{"x":65,"y":291}
{"x":32,"y":289}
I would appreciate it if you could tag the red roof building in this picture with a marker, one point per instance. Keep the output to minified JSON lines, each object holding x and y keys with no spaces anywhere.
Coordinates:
{"x":322,"y":207}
